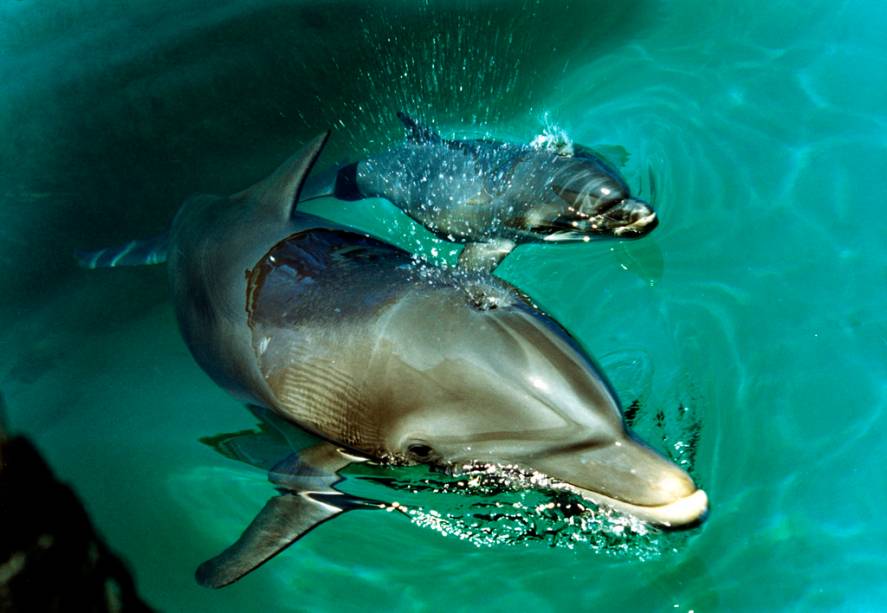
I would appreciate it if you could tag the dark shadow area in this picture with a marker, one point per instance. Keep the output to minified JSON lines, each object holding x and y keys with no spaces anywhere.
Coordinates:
{"x":51,"y":558}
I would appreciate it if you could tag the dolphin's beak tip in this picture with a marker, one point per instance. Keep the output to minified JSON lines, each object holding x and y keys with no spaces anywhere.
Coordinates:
{"x":683,"y":513}
{"x":653,"y":222}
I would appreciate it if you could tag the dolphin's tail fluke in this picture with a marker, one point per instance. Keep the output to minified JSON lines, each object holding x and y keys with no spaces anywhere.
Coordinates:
{"x":133,"y":253}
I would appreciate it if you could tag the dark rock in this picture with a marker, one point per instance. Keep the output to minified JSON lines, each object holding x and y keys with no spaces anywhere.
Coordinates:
{"x":51,"y":558}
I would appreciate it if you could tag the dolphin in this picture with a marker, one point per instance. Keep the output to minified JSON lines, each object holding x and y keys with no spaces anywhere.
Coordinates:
{"x":390,"y":361}
{"x":493,"y":195}
{"x":490,"y":195}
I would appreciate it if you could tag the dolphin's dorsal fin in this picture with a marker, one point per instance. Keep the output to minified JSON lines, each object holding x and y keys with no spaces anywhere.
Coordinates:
{"x":278,"y":194}
{"x":416,"y":132}
{"x":307,"y":498}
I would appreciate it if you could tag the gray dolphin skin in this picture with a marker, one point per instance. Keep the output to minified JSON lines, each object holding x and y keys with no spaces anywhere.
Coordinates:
{"x":391,"y":361}
{"x":493,"y":195}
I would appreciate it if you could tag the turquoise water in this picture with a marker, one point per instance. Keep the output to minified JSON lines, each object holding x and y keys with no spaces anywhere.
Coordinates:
{"x":757,"y":304}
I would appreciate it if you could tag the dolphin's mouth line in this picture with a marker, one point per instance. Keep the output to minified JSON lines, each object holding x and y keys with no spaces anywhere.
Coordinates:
{"x":682,"y":513}
{"x":600,"y":227}
{"x":566,"y":235}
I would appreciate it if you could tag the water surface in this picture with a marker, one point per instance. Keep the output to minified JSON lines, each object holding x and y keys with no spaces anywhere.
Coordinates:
{"x":758,"y":303}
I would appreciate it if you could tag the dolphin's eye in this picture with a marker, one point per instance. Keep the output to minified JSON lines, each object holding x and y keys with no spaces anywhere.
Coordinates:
{"x":420,"y":451}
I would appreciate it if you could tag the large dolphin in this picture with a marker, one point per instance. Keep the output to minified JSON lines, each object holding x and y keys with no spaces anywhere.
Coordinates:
{"x":347,"y":337}
{"x":492,"y":195}
{"x":489,"y":195}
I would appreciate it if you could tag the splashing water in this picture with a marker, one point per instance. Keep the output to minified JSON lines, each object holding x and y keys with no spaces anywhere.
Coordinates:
{"x":491,"y":505}
{"x":553,"y":138}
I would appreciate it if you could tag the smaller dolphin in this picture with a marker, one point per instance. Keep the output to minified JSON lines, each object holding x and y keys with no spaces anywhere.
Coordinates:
{"x":493,"y":195}
{"x":490,"y":195}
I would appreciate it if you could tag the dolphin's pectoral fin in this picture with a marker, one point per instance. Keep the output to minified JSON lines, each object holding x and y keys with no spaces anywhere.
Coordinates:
{"x":281,"y":522}
{"x":134,"y":253}
{"x":485,"y":256}
{"x":315,"y":469}
{"x":416,"y":132}
{"x":306,"y":481}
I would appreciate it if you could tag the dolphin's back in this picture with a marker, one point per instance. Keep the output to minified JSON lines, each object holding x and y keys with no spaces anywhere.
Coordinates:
{"x":323,"y":274}
{"x":444,"y":187}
